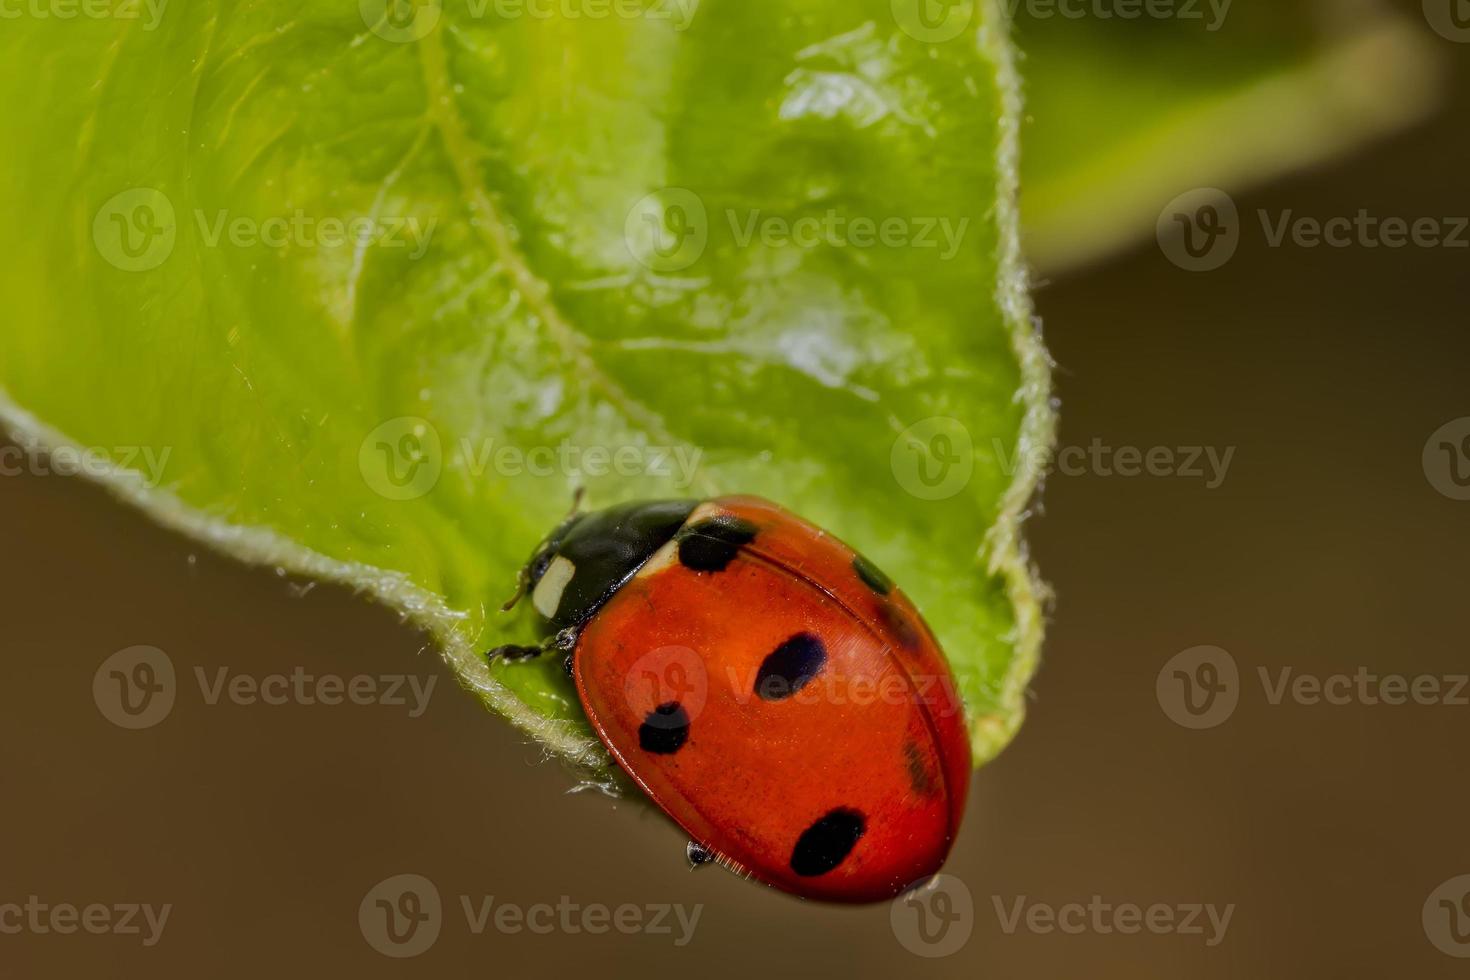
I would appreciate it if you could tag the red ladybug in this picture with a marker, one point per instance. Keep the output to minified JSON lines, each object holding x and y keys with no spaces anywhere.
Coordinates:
{"x":767,"y":686}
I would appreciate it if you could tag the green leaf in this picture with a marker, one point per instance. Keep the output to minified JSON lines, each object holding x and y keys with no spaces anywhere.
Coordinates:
{"x":558,"y":262}
{"x":1125,"y":114}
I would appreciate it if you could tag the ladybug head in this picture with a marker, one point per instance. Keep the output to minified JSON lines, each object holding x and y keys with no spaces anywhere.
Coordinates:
{"x":589,"y":557}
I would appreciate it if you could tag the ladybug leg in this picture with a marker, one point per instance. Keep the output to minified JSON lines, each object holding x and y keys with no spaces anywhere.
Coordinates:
{"x":697,"y":855}
{"x":513,"y":653}
{"x":561,"y":642}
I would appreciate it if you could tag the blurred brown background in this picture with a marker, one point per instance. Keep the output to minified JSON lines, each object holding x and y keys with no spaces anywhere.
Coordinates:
{"x":1326,"y":549}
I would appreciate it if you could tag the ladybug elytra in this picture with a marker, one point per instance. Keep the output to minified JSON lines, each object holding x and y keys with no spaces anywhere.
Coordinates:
{"x":765,"y":685}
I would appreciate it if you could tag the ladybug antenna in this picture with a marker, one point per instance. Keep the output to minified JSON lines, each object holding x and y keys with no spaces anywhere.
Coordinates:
{"x":523,"y":578}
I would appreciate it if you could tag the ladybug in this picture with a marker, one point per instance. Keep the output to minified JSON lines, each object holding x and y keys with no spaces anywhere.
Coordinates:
{"x":768,"y":687}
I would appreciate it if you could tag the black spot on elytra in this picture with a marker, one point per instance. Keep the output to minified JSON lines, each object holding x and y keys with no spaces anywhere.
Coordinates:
{"x":711,"y":544}
{"x":665,"y":729}
{"x":904,"y":629}
{"x":827,"y":843}
{"x":789,"y":667}
{"x":872,"y":575}
{"x":920,"y":777}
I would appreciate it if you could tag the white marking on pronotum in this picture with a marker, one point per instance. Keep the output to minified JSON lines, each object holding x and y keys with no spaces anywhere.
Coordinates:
{"x":668,"y":554}
{"x":662,"y":558}
{"x":547,"y":596}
